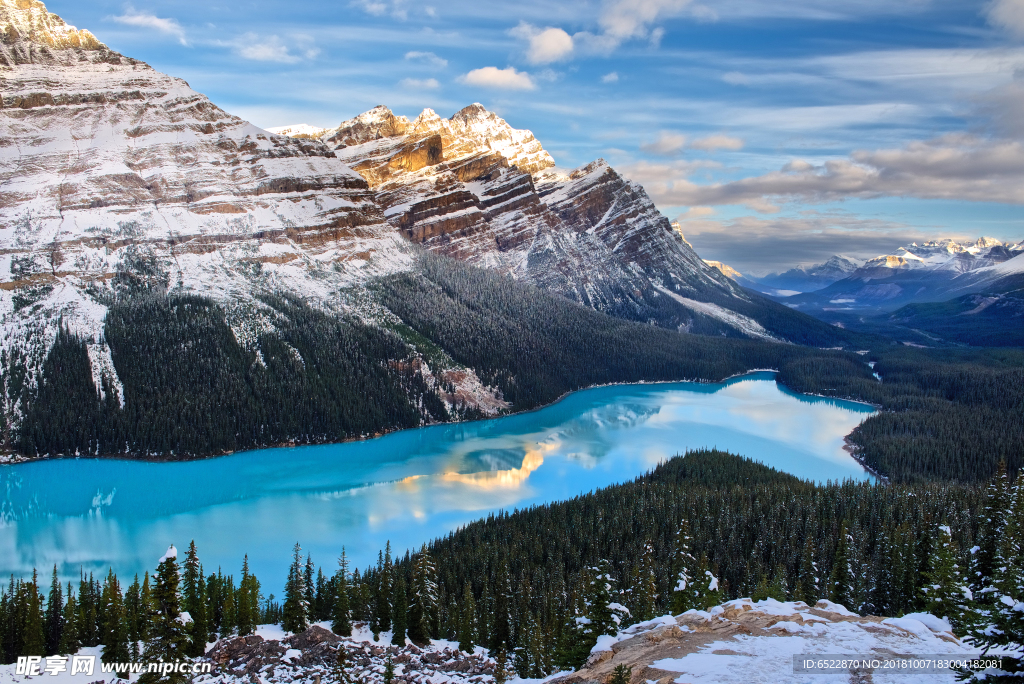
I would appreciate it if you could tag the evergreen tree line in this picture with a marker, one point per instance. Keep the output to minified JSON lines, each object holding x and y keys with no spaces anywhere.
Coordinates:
{"x":544,"y":583}
{"x":123,"y":620}
{"x":190,"y":389}
{"x":950,"y":414}
{"x":540,"y":586}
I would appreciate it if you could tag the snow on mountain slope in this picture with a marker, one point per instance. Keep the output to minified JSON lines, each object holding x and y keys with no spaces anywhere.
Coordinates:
{"x":475,"y":188}
{"x":106,"y":162}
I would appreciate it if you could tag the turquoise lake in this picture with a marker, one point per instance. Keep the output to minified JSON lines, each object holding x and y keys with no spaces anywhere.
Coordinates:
{"x":406,"y":487}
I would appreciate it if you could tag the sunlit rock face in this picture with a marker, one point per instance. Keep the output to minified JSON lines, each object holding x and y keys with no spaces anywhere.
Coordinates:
{"x":475,"y":188}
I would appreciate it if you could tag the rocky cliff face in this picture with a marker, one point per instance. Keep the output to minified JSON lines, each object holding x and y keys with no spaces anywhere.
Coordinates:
{"x":474,"y":188}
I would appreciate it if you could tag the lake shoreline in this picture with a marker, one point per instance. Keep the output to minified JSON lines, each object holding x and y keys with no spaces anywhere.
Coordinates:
{"x":14,"y":458}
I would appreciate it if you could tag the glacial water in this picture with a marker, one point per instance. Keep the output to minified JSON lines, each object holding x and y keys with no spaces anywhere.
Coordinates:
{"x":406,"y":487}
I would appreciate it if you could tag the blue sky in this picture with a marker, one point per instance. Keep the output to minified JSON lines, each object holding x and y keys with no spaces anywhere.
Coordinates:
{"x":777,"y":132}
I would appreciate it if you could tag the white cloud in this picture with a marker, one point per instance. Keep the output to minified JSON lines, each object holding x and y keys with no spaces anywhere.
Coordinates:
{"x":1008,"y":14}
{"x":612,"y":77}
{"x":622,"y":20}
{"x":952,"y":167}
{"x":545,"y":45}
{"x":132,"y":17}
{"x":379,"y":8}
{"x":503,"y":79}
{"x":736,"y":78}
{"x":717,"y":142}
{"x":270,"y":49}
{"x":428,"y":58}
{"x":759,"y":245}
{"x":419,"y":84}
{"x":667,"y":143}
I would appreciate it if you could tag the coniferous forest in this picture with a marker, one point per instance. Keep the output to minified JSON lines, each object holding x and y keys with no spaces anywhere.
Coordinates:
{"x":191,"y":389}
{"x":693,"y":532}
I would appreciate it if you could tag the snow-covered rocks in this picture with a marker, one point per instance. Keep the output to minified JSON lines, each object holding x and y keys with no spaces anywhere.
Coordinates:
{"x":312,"y":657}
{"x":743,"y":641}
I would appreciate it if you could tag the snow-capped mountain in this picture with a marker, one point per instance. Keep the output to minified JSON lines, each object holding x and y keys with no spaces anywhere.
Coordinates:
{"x":807,"y":278}
{"x":929,"y":272}
{"x":475,"y":188}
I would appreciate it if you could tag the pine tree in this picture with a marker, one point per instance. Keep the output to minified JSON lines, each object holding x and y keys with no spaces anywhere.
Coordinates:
{"x":33,"y":636}
{"x":685,"y":569}
{"x":296,"y":608}
{"x":424,"y":605}
{"x":115,"y":629}
{"x":134,"y":612}
{"x":840,"y":583}
{"x":194,"y":601}
{"x":467,"y":620}
{"x":777,"y":588}
{"x":945,"y":592}
{"x":400,"y":612}
{"x":603,"y":614}
{"x":389,"y":670}
{"x":54,"y":615}
{"x":645,"y":585}
{"x":248,"y":601}
{"x":168,"y":639}
{"x":341,"y":673}
{"x":501,"y":672}
{"x":69,"y":643}
{"x":808,"y":581}
{"x":341,"y":618}
{"x":1006,"y":624}
{"x":309,"y":582}
{"x":985,"y":554}
{"x":621,"y":675}
{"x":228,"y":607}
{"x":385,"y":589}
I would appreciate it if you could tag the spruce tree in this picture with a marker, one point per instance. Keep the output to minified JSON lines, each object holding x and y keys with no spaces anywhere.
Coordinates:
{"x":54,"y":615}
{"x":808,"y":581}
{"x":777,"y":588}
{"x":467,"y":620}
{"x":603,"y":614}
{"x":115,"y":633}
{"x":296,"y":608}
{"x":228,"y":608}
{"x":645,"y":586}
{"x":69,"y":643}
{"x":399,"y":612}
{"x":685,"y":569}
{"x":168,"y":637}
{"x":990,"y":533}
{"x":840,"y":583}
{"x":248,"y":601}
{"x":309,"y":582}
{"x":389,"y":669}
{"x":33,"y":637}
{"x":341,"y":617}
{"x":945,"y":592}
{"x":134,"y":611}
{"x":385,"y":590}
{"x":1005,"y":629}
{"x":621,"y":675}
{"x":424,"y":605}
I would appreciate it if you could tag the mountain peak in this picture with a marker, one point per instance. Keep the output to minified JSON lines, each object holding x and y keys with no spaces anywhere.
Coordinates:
{"x":29,"y":20}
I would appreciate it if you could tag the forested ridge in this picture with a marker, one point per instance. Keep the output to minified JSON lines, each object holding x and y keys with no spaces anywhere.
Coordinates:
{"x":697,"y":530}
{"x":191,"y":389}
{"x":949,"y":414}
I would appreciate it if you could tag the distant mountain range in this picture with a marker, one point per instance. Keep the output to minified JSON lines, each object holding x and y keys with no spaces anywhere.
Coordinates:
{"x":937,"y":292}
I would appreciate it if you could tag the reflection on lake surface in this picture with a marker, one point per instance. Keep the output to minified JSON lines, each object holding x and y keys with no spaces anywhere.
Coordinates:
{"x":408,"y":487}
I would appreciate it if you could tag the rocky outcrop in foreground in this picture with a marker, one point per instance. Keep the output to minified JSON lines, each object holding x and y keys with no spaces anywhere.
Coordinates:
{"x":743,"y":642}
